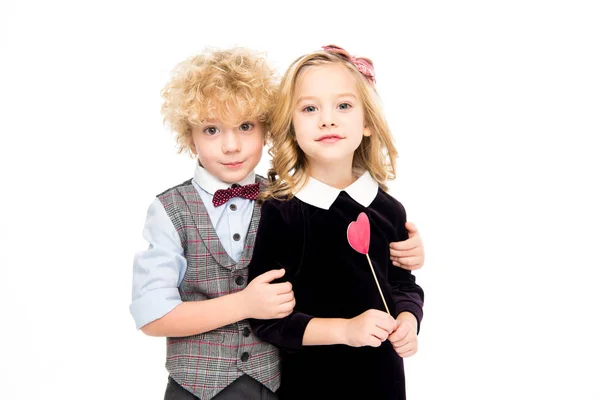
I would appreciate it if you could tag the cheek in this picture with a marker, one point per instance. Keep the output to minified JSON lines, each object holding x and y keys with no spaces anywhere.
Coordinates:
{"x":204,"y":157}
{"x":300,"y":129}
{"x":359,"y":119}
{"x":196,"y":144}
{"x":205,"y":150}
{"x":255,"y":144}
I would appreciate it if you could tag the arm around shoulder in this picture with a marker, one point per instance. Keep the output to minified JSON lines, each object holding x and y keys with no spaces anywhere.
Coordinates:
{"x":408,"y":295}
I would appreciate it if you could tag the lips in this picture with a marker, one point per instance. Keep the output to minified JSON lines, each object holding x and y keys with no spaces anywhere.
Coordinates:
{"x":329,"y":138}
{"x":233,"y":164}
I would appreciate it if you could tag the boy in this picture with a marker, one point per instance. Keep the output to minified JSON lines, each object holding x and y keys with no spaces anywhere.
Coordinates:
{"x":191,"y":284}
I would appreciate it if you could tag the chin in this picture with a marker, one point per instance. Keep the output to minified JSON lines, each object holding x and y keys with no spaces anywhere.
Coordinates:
{"x":233,"y":176}
{"x":335,"y":158}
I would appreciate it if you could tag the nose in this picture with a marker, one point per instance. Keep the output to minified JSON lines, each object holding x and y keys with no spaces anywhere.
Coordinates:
{"x":327,"y":120}
{"x":231,"y":142}
{"x":328,"y":124}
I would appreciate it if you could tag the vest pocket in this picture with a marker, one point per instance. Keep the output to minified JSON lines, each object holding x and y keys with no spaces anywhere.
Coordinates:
{"x":211,"y":337}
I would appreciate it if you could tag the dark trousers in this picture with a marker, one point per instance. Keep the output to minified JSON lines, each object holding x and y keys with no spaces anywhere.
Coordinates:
{"x":243,"y":388}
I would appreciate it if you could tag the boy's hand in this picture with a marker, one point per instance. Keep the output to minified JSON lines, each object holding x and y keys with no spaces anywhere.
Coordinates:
{"x":404,"y":338}
{"x":266,"y":300}
{"x":370,"y":328}
{"x":408,"y":254}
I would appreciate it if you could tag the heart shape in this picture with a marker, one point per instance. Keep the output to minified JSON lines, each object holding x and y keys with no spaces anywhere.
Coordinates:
{"x":359,"y":233}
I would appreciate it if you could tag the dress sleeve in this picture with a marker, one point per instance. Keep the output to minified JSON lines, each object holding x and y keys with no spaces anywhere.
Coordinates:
{"x":407,"y":294}
{"x":277,"y":246}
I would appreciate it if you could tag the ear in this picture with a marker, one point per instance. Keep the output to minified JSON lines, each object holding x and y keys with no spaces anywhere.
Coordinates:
{"x":190,"y":142}
{"x":366,"y":131}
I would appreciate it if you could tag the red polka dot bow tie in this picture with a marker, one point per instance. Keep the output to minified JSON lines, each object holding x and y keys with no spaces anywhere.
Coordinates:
{"x":249,"y":192}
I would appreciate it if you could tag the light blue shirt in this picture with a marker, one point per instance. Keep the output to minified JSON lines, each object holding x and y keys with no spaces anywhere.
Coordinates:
{"x":159,"y":270}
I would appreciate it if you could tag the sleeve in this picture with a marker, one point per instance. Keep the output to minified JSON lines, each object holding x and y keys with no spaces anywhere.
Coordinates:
{"x":277,"y":247}
{"x":407,"y":294}
{"x":158,"y":270}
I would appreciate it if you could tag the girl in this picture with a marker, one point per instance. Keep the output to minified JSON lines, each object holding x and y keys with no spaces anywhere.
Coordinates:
{"x":332,"y":154}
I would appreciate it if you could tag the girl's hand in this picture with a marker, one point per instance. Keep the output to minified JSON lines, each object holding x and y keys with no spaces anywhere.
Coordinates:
{"x":370,"y":328}
{"x":404,"y":338}
{"x":408,"y":254}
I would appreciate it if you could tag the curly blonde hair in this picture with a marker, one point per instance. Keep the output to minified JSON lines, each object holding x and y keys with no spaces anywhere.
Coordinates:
{"x":218,"y":84}
{"x":376,"y":153}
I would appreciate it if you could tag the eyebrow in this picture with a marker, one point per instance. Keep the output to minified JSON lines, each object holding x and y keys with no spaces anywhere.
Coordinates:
{"x":222,"y":121}
{"x":304,"y":98}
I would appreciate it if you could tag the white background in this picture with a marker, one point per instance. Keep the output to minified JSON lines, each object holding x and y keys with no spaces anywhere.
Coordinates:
{"x":495,"y":107}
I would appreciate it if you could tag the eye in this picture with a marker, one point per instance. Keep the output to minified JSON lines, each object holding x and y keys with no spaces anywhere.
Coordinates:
{"x":211,"y":130}
{"x":345,"y":106}
{"x":309,"y":109}
{"x":246,"y":126}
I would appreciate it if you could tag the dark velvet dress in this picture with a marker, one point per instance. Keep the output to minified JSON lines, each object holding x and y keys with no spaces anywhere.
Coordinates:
{"x":332,"y":280}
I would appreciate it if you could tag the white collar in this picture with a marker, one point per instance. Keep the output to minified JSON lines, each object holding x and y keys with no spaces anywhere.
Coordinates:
{"x":318,"y":194}
{"x":210,"y":184}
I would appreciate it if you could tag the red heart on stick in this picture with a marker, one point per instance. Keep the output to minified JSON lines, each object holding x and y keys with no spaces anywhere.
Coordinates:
{"x":359,"y":233}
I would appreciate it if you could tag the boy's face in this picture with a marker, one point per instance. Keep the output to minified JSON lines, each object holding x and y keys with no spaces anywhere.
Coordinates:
{"x":228,"y":152}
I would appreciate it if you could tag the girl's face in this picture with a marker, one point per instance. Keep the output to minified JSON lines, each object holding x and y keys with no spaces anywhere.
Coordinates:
{"x":328,"y":114}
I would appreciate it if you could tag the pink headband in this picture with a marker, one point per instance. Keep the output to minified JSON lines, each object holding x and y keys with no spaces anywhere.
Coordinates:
{"x":363,"y":65}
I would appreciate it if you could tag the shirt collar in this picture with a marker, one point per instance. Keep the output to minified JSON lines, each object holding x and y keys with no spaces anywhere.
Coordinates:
{"x":210,"y":184}
{"x":318,"y":194}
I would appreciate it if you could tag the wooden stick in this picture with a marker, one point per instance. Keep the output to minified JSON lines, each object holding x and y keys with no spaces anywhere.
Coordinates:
{"x":378,"y":287}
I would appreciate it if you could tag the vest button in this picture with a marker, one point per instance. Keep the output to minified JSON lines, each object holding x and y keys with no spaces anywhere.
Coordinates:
{"x":239,"y":280}
{"x":246,"y":332}
{"x":245,"y":357}
{"x":232,"y":207}
{"x":236,"y":237}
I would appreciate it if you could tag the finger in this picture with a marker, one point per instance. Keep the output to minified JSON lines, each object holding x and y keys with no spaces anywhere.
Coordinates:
{"x":289,"y":304}
{"x":286,"y":309}
{"x":283,"y":314}
{"x":405,"y":253}
{"x":376,"y":314}
{"x":408,"y":261}
{"x":402,"y":343}
{"x":282,"y":288}
{"x":409,"y":339}
{"x":387,"y":323}
{"x":395,"y":337}
{"x":400,"y":334}
{"x":408,"y":244}
{"x":380,"y":334}
{"x":285,"y":297}
{"x":374,"y":342}
{"x":270,"y":275}
{"x":384,"y":320}
{"x":409,"y":351}
{"x":398,"y":255}
{"x":407,"y":267}
{"x":411,"y":228}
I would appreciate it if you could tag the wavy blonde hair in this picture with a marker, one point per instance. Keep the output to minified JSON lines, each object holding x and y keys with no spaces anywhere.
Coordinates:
{"x":218,"y":84}
{"x":375,"y":154}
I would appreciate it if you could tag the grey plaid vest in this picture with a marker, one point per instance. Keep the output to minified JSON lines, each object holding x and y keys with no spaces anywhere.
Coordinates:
{"x":206,"y":363}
